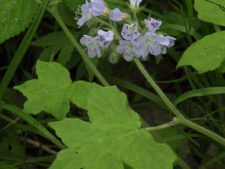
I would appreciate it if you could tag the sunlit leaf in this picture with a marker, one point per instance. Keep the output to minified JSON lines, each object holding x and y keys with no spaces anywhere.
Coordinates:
{"x":50,"y":92}
{"x":113,"y":137}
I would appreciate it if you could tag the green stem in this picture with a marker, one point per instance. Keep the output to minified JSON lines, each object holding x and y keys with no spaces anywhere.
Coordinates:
{"x":162,"y":126}
{"x":201,"y":129}
{"x":14,"y":64}
{"x":157,"y":89}
{"x":103,"y":22}
{"x":179,"y":117}
{"x":70,"y":36}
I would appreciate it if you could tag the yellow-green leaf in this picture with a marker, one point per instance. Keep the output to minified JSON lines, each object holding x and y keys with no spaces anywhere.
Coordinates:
{"x":113,"y":137}
{"x":50,"y":92}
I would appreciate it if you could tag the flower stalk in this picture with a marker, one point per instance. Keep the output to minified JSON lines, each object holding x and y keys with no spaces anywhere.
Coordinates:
{"x":58,"y":18}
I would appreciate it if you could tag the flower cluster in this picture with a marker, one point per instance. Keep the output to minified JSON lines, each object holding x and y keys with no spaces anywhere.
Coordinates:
{"x":132,"y":43}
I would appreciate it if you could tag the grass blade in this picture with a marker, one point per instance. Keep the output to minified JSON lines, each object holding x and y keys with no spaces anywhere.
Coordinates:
{"x":200,"y":92}
{"x":33,"y":122}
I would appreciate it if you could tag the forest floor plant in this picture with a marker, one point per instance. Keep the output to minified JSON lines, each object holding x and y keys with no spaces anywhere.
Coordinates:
{"x":113,"y":136}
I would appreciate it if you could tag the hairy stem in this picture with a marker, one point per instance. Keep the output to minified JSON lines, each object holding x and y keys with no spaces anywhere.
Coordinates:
{"x":201,"y":129}
{"x":170,"y":105}
{"x":179,"y":117}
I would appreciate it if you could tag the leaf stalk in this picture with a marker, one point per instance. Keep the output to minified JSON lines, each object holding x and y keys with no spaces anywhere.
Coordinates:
{"x":179,"y":117}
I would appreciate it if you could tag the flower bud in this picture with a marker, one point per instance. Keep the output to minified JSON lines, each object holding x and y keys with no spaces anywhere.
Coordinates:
{"x":135,"y":3}
{"x":114,"y":58}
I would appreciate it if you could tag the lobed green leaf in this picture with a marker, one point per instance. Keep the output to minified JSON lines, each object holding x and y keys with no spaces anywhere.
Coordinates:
{"x":113,"y":137}
{"x":52,"y":44}
{"x":50,"y":92}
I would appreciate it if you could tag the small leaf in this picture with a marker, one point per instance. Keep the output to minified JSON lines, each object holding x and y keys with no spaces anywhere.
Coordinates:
{"x":15,"y":17}
{"x":113,"y":137}
{"x":50,"y":92}
{"x":47,"y":53}
{"x":67,"y":15}
{"x":54,"y":41}
{"x":206,"y":54}
{"x":73,"y":4}
{"x":65,"y":55}
{"x":211,"y":11}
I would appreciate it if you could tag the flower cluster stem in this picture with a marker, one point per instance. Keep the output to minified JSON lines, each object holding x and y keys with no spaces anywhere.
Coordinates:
{"x":201,"y":129}
{"x":70,"y":36}
{"x":180,"y":119}
{"x":170,"y":105}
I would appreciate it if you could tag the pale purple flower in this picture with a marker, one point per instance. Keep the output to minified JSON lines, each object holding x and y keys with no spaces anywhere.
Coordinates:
{"x":147,"y":44}
{"x":128,"y":49}
{"x":153,"y":25}
{"x":86,"y":15}
{"x":116,"y":15}
{"x":105,"y":38}
{"x":167,"y":41}
{"x":154,"y":44}
{"x":172,"y":41}
{"x":135,"y":3}
{"x":130,"y":32}
{"x":97,"y":8}
{"x":92,"y":45}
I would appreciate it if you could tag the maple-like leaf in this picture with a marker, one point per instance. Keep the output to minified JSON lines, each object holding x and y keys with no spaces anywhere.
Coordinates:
{"x":112,"y":138}
{"x":50,"y":92}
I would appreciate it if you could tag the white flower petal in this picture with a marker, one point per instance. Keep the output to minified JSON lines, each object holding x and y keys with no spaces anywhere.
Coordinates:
{"x":97,"y":8}
{"x":92,"y":45}
{"x":116,"y":15}
{"x":134,"y":3}
{"x":130,"y":32}
{"x":153,"y":25}
{"x":86,"y":15}
{"x":105,"y":38}
{"x":128,"y":49}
